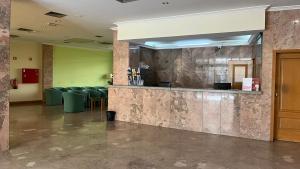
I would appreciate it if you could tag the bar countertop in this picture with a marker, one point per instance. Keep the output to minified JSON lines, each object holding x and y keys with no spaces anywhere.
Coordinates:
{"x":187,"y":89}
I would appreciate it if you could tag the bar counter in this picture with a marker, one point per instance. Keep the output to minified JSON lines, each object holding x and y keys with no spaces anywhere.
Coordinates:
{"x":188,"y":89}
{"x":223,"y":112}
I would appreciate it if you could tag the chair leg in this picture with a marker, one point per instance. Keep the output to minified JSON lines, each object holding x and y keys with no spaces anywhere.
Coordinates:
{"x":102,"y":105}
{"x":100,"y":108}
{"x":91,"y":105}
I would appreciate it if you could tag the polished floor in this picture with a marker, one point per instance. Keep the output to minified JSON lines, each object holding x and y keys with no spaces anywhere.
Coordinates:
{"x":46,"y":138}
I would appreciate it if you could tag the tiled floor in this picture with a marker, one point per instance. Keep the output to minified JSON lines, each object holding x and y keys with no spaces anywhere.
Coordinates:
{"x":46,"y":138}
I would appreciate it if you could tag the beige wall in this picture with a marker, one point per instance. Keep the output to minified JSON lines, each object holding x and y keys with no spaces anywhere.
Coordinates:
{"x":238,"y":20}
{"x":24,"y":50}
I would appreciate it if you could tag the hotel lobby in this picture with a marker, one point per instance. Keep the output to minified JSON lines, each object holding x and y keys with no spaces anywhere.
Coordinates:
{"x":155,"y":85}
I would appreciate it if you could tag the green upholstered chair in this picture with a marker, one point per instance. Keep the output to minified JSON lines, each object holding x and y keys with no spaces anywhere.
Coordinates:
{"x":100,"y":87}
{"x":53,"y":97}
{"x":76,"y":88}
{"x":58,"y":88}
{"x":73,"y":102}
{"x":85,"y":94}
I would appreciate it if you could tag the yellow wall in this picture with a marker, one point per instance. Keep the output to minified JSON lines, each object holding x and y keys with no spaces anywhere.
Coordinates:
{"x":80,"y":67}
{"x":24,"y":50}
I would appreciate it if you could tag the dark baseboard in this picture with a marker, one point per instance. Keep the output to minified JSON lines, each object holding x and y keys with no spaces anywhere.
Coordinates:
{"x":21,"y":103}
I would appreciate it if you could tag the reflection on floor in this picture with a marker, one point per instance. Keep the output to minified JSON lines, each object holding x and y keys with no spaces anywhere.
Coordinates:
{"x":46,"y":138}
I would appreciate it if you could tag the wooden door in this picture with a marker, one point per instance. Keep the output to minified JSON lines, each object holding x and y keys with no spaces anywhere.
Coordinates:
{"x":240,"y":71}
{"x":287,"y":105}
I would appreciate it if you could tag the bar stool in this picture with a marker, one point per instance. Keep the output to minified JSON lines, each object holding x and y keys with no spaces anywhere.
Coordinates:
{"x":97,"y":97}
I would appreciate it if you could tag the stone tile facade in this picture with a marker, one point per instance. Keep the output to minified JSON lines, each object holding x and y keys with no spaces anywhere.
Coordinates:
{"x":209,"y":112}
{"x":120,"y":61}
{"x":241,"y":115}
{"x":4,"y":73}
{"x":47,"y":66}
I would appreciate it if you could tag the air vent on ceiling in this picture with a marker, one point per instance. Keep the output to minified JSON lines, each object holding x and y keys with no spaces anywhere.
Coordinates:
{"x":25,"y":30}
{"x":53,"y":24}
{"x":55,"y":14}
{"x":79,"y":40}
{"x":106,"y":43}
{"x":14,"y":36}
{"x":125,"y":1}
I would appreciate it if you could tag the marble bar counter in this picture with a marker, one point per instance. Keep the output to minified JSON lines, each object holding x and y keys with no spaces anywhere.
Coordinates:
{"x":223,"y":112}
{"x":187,"y":89}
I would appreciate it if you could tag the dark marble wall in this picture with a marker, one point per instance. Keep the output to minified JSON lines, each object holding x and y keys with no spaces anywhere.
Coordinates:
{"x":192,"y":67}
{"x":257,"y":53}
{"x":134,"y":57}
{"x":4,"y":73}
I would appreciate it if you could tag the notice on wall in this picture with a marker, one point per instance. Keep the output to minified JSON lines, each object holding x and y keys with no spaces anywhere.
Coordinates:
{"x":250,"y":84}
{"x":247,"y":84}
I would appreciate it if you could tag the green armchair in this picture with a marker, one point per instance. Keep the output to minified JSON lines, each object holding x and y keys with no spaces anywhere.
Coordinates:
{"x":53,"y":97}
{"x":73,"y":102}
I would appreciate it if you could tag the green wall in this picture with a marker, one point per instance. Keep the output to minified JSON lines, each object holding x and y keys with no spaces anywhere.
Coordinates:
{"x":80,"y":67}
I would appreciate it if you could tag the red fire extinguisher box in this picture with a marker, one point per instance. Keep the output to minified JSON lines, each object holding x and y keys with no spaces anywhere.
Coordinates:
{"x":30,"y":75}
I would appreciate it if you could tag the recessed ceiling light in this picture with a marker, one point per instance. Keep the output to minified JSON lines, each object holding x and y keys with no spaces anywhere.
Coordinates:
{"x":205,"y":42}
{"x":165,"y":3}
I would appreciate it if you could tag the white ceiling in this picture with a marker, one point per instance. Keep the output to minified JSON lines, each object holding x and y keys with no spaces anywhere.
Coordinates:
{"x":87,"y":18}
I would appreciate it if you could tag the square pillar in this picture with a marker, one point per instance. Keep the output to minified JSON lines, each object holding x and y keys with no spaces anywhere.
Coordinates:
{"x":4,"y":74}
{"x":120,"y":60}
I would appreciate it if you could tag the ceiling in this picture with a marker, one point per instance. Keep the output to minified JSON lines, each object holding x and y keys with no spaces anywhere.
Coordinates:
{"x":87,"y":18}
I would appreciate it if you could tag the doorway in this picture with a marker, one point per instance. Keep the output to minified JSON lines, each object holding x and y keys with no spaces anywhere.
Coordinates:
{"x":240,"y":71}
{"x":287,"y":96}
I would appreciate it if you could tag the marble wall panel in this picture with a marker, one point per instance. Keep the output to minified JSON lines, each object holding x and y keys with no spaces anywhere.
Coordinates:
{"x":179,"y":110}
{"x":134,"y":57}
{"x":251,"y":116}
{"x":4,"y":73}
{"x":47,"y":75}
{"x":136,"y":106}
{"x":212,"y":112}
{"x":114,"y":100}
{"x":149,"y":115}
{"x":125,"y":96}
{"x":186,"y":110}
{"x":149,"y":76}
{"x":120,"y":60}
{"x":230,"y":114}
{"x":163,"y":100}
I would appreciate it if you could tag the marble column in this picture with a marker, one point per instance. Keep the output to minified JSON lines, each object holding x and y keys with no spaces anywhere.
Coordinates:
{"x":47,"y":66}
{"x":120,"y":60}
{"x":4,"y":73}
